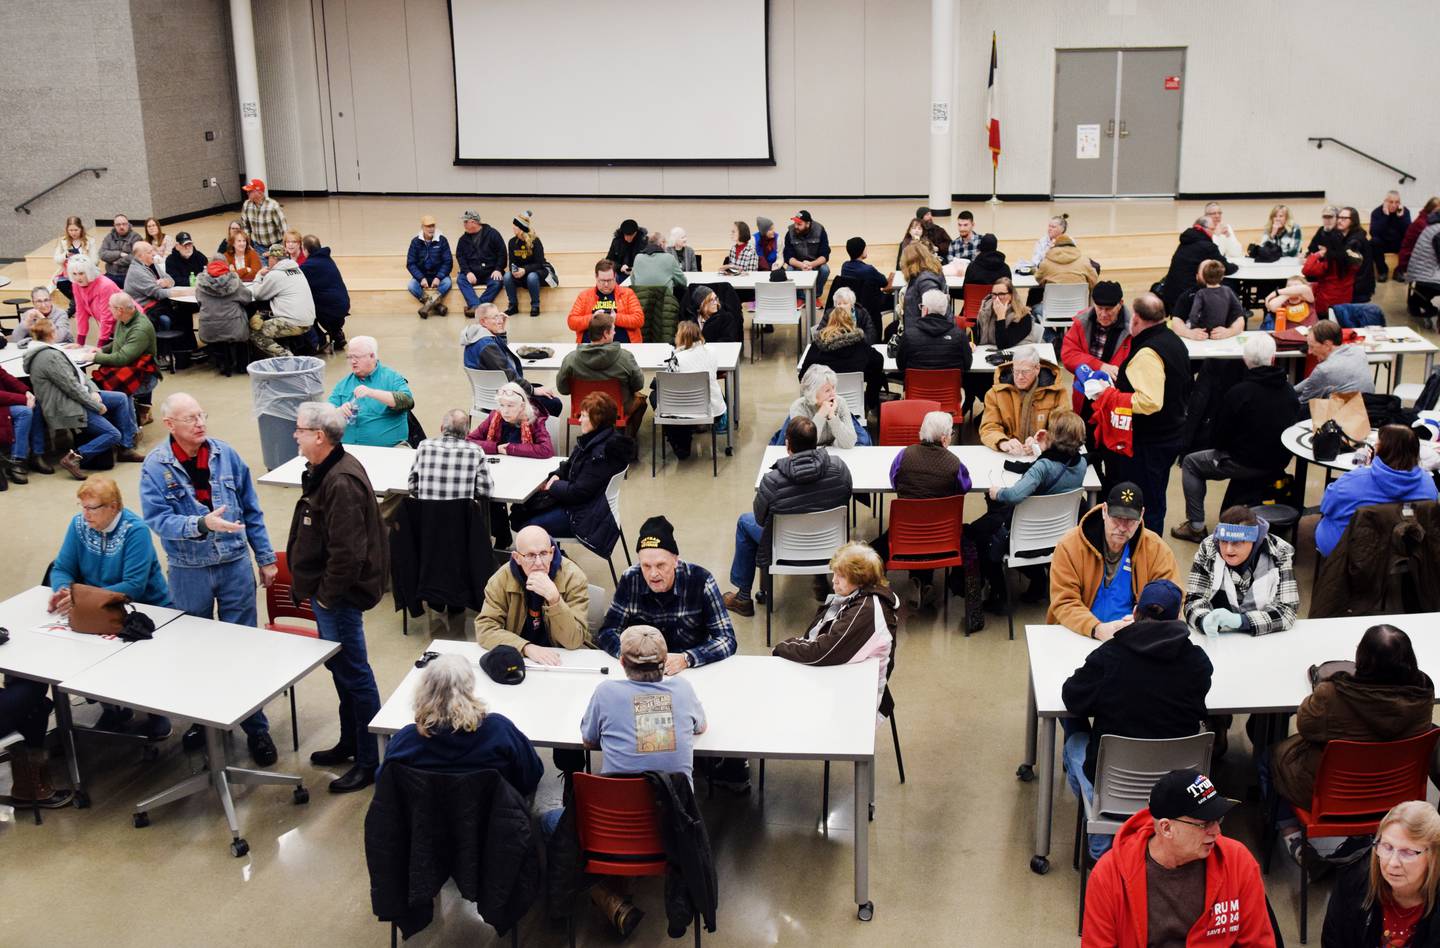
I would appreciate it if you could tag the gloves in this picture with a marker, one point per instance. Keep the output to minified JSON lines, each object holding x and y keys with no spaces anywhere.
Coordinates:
{"x":1094,"y":387}
{"x":1220,"y":620}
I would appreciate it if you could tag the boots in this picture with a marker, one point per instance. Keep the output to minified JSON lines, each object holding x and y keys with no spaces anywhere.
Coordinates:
{"x":37,"y":463}
{"x":974,"y":601}
{"x":142,"y":414}
{"x":4,"y":480}
{"x":432,"y":299}
{"x":32,"y":785}
{"x":71,"y":462}
{"x":618,"y":910}
{"x":14,"y":470}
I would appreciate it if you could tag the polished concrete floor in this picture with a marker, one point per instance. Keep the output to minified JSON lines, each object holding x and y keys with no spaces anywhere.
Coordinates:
{"x":949,"y":849}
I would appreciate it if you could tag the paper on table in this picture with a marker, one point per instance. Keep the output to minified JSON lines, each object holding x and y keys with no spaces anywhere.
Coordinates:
{"x":60,"y":629}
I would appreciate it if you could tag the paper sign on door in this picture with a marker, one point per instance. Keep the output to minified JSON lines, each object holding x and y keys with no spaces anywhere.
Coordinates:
{"x":1087,"y":141}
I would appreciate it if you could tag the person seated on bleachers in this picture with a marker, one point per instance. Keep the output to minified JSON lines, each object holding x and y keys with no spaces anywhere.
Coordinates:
{"x":452,"y":466}
{"x":1149,"y":681}
{"x":429,"y":260}
{"x":933,"y":341}
{"x":921,"y":270}
{"x":223,"y":323}
{"x":1173,"y":854}
{"x":292,"y":307}
{"x":1392,"y":474}
{"x":91,"y":291}
{"x":1281,"y":233}
{"x":374,"y":398}
{"x":1338,"y":367}
{"x":855,"y":624}
{"x":1019,"y":403}
{"x":1412,"y":235}
{"x":716,"y":323}
{"x":538,"y":603}
{"x":935,"y":235}
{"x":69,"y":399}
{"x":1248,"y":424}
{"x":516,"y":428}
{"x":1215,"y":310}
{"x":691,"y":355}
{"x":480,"y":262}
{"x":1331,"y":271}
{"x":1386,"y":698}
{"x":1357,"y":248}
{"x":1222,"y":233}
{"x":184,"y":264}
{"x":1195,"y":247}
{"x":231,"y":229}
{"x":679,"y":247}
{"x":1290,"y":306}
{"x":487,"y":346}
{"x":767,"y":244}
{"x":1392,"y":889}
{"x":989,"y":265}
{"x":25,"y":708}
{"x":604,"y":358}
{"x":1242,"y":578}
{"x":843,"y":346}
{"x":527,"y":265}
{"x":42,"y":306}
{"x":606,"y":295}
{"x":572,"y":502}
{"x":1388,"y":224}
{"x":818,"y":401}
{"x":1003,"y":320}
{"x":129,"y":362}
{"x":1101,"y":565}
{"x":855,"y":268}
{"x":154,"y":234}
{"x":109,"y":546}
{"x":807,"y":247}
{"x":243,"y":258}
{"x":117,"y":249}
{"x":1328,"y":215}
{"x":327,"y":289}
{"x":914,"y":234}
{"x":741,"y":257}
{"x":625,"y":245}
{"x":455,"y":733}
{"x":806,"y":480}
{"x":74,"y":240}
{"x":1054,"y":227}
{"x":655,"y":280}
{"x":966,"y":245}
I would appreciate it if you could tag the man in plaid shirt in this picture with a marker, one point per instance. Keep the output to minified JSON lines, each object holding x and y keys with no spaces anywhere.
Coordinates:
{"x":449,"y":467}
{"x":262,"y":217}
{"x":966,"y":244}
{"x":1242,"y":578}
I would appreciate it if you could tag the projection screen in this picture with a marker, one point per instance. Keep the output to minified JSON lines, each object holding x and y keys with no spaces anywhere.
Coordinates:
{"x":610,"y":82}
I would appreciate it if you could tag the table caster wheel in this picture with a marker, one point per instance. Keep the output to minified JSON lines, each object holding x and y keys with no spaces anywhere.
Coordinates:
{"x":141,"y":820}
{"x":302,"y":795}
{"x":239,"y":848}
{"x":82,"y":800}
{"x":866,"y":911}
{"x":1025,"y":772}
{"x":729,"y":452}
{"x":1039,"y":865}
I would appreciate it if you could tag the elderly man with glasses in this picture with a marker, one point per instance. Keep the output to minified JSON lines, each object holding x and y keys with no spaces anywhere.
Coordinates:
{"x":374,"y":398}
{"x":538,"y":603}
{"x":197,"y":496}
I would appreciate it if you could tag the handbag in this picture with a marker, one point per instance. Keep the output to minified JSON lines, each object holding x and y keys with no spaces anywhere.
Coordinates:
{"x":1329,"y":440}
{"x":1347,"y":410}
{"x":1264,"y":253}
{"x":96,"y":611}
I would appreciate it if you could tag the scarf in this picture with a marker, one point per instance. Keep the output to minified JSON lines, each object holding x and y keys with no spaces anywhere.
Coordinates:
{"x":535,"y":629}
{"x":494,"y":428}
{"x":1259,"y":579}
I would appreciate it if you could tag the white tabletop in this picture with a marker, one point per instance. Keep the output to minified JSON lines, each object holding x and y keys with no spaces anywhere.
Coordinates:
{"x":870,"y":467}
{"x":1282,"y":269}
{"x":12,"y":359}
{"x":43,"y":648}
{"x":956,"y":282}
{"x":809,"y":712}
{"x":214,"y":673}
{"x":1299,"y":441}
{"x":650,"y":356}
{"x":1045,"y":350}
{"x":4,"y":281}
{"x":513,"y":480}
{"x":1252,"y":673}
{"x":1380,"y":342}
{"x":803,"y":279}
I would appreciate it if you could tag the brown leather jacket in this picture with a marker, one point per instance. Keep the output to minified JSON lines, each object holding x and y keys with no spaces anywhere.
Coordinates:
{"x":337,"y":548}
{"x":1356,"y":578}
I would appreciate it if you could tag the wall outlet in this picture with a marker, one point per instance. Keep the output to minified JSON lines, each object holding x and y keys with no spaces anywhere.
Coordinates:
{"x":209,"y":136}
{"x":204,"y":182}
{"x":214,"y":183}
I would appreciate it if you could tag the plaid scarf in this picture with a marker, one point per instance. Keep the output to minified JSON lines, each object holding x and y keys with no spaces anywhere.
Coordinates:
{"x":125,"y":378}
{"x":198,"y":467}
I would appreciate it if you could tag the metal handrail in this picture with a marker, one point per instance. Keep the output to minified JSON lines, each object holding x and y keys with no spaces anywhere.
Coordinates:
{"x":25,"y":205}
{"x":1404,"y":175}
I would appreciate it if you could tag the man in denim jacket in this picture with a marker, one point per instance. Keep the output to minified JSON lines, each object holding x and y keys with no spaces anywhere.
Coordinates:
{"x":197,"y":496}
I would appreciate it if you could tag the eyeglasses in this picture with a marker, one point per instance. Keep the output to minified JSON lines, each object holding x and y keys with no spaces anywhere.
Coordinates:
{"x":303,"y":428}
{"x":199,"y":418}
{"x":1327,"y":217}
{"x":1384,"y":851}
{"x":1003,"y":296}
{"x":91,"y":508}
{"x":1206,"y":825}
{"x":540,"y":557}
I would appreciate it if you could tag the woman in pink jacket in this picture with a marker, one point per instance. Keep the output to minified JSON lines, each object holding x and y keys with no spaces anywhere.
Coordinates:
{"x":92,"y":291}
{"x":516,"y":428}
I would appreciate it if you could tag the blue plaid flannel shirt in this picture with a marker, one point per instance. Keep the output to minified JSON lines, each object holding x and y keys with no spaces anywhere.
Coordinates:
{"x":691,"y":615}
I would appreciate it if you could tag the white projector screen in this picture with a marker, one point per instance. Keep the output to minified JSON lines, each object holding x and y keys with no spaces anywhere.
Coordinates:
{"x":610,"y":82}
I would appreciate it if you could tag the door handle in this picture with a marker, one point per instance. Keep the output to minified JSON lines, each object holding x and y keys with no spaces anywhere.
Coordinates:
{"x":1123,"y":133}
{"x":1110,"y":129}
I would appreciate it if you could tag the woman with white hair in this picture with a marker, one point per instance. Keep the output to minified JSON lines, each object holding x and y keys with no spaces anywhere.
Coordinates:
{"x":91,"y":290}
{"x":834,"y":425}
{"x":679,"y":245}
{"x":454,"y":733}
{"x":516,"y":428}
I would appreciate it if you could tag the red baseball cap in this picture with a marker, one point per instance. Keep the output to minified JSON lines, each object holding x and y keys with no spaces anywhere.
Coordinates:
{"x":217,"y":268}
{"x":255,"y":185}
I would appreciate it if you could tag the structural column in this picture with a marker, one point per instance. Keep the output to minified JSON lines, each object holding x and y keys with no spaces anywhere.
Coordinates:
{"x":247,"y":86}
{"x":942,"y":87}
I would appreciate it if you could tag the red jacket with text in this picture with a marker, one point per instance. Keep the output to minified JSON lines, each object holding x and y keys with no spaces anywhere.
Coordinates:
{"x":1115,"y":903}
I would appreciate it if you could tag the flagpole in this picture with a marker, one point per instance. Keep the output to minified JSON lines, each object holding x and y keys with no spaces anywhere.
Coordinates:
{"x":992,"y":121}
{"x":994,"y":197}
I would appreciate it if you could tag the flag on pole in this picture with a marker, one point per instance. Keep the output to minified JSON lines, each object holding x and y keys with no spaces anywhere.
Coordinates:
{"x":993,"y":120}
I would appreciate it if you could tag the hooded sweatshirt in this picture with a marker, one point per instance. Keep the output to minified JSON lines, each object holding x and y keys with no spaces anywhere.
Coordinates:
{"x":288,"y":292}
{"x":596,"y":361}
{"x":1149,"y":681}
{"x":222,"y":302}
{"x":1376,"y":483}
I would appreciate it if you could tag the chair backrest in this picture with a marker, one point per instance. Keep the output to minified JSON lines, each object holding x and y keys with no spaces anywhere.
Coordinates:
{"x":925,"y":533}
{"x":682,"y":395}
{"x":1127,"y":767}
{"x":1039,"y":522}
{"x":1358,"y":782}
{"x":612,"y":495}
{"x":484,"y":384}
{"x":774,"y":302}
{"x":580,"y":388}
{"x":280,"y":602}
{"x":938,"y":385}
{"x":599,"y":605}
{"x":555,"y":427}
{"x":851,"y":387}
{"x":1063,"y":301}
{"x":805,"y":543}
{"x":975,"y":294}
{"x":900,"y":420}
{"x":617,"y":821}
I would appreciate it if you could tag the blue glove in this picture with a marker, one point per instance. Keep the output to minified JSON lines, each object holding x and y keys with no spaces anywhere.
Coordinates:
{"x":1219,"y":620}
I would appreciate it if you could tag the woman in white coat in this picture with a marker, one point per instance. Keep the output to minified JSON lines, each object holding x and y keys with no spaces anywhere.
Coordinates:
{"x":692,"y":355}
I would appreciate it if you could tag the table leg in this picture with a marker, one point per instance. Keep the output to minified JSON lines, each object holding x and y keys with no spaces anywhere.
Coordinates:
{"x":1026,"y":771}
{"x":809,"y":312}
{"x":863,"y":769}
{"x":67,"y":735}
{"x":1044,"y":800}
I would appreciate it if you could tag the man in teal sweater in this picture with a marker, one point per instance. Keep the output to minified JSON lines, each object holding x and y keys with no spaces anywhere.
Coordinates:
{"x":375,"y":399}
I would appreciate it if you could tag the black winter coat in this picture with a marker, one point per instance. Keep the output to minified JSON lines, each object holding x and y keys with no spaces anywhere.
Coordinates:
{"x":799,"y":483}
{"x":481,"y":253}
{"x":915,"y":290}
{"x":584,"y":475}
{"x":849,"y":352}
{"x":1195,"y":248}
{"x":1148,"y":681}
{"x":986,"y":268}
{"x":1362,"y":262}
{"x":624,"y":254}
{"x":727,"y":325}
{"x":423,"y":828}
{"x":934,"y":342}
{"x":1348,"y":924}
{"x":326,"y":284}
{"x":1252,"y":415}
{"x":440,"y":553}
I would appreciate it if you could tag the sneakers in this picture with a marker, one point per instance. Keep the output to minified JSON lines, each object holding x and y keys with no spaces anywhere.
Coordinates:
{"x":156,"y":728}
{"x":1188,"y":531}
{"x":71,"y":462}
{"x":740,"y":606}
{"x":341,"y":753}
{"x":262,"y":749}
{"x":356,"y":778}
{"x":512,"y":310}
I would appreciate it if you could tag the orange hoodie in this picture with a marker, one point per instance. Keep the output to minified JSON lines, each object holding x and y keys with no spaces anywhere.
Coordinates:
{"x":1116,"y":906}
{"x":628,"y":314}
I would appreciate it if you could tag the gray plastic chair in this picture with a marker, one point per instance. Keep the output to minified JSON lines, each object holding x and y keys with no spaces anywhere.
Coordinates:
{"x":851,"y":387}
{"x":1036,"y":527}
{"x":599,"y":605}
{"x":803,"y":545}
{"x":484,"y":384}
{"x":682,"y":398}
{"x":1063,"y":302}
{"x":775,"y":306}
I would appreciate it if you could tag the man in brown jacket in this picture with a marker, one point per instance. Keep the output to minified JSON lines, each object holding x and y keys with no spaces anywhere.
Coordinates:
{"x":1102,"y":564}
{"x":337,"y":558}
{"x":1019,"y":404}
{"x":538,"y":603}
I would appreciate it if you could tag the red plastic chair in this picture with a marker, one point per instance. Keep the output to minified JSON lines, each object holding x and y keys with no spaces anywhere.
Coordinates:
{"x":1356,"y":785}
{"x":281,"y":604}
{"x":900,"y":421}
{"x":617,"y":821}
{"x":938,"y":385}
{"x":975,"y":294}
{"x":580,"y":388}
{"x":925,"y":534}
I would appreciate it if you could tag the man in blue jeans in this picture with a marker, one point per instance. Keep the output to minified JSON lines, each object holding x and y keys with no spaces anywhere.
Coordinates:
{"x":481,"y":257}
{"x":806,"y":480}
{"x":429,"y":262}
{"x":197,"y":497}
{"x":337,"y":557}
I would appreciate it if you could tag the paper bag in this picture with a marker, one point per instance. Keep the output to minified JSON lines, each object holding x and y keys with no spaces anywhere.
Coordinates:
{"x":1347,"y":409}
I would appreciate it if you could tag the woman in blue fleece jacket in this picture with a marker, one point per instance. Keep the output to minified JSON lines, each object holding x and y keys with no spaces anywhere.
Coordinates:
{"x":1393,"y":476}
